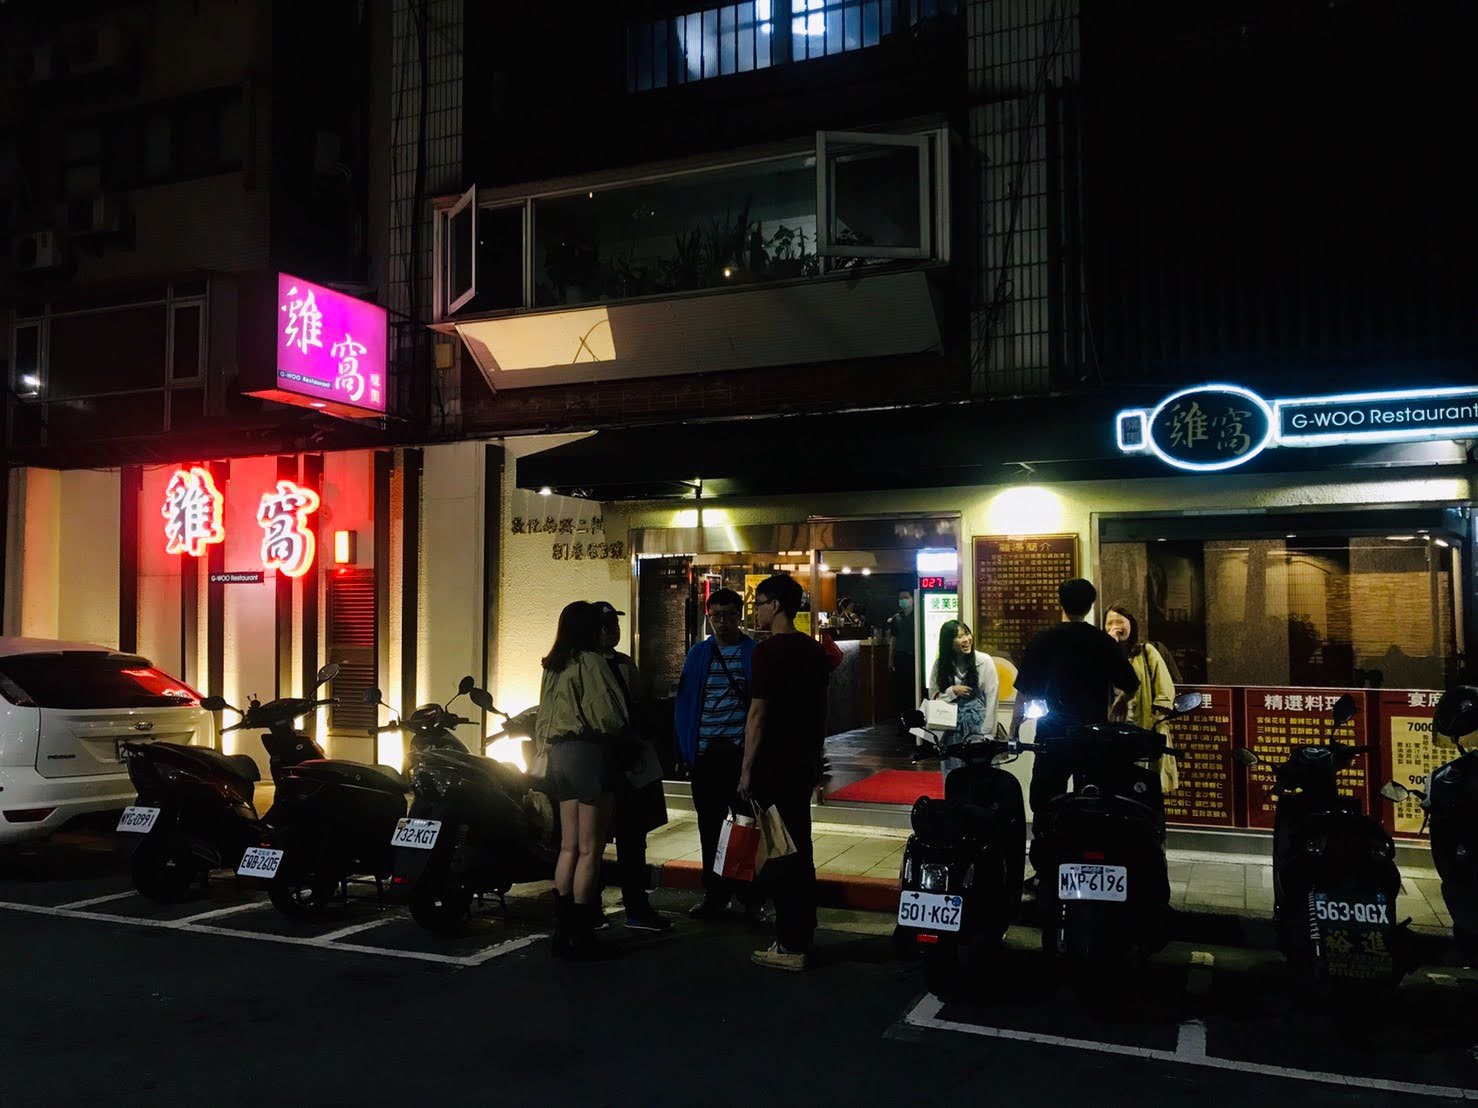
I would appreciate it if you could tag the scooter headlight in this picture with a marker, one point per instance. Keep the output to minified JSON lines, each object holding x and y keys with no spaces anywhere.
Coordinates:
{"x":935,"y":878}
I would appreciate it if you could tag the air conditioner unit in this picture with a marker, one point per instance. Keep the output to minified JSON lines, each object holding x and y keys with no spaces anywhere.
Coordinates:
{"x":36,"y":252}
{"x":95,"y":215}
{"x":33,"y":64}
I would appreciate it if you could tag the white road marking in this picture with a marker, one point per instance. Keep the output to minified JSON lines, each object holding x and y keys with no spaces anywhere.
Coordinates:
{"x":355,"y":928}
{"x":319,"y":941}
{"x":1190,"y":1051}
{"x":231,"y":911}
{"x":99,"y":899}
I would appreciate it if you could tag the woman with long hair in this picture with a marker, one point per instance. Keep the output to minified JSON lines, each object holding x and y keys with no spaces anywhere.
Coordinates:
{"x":1156,"y":686}
{"x":581,"y":714}
{"x":967,"y":678}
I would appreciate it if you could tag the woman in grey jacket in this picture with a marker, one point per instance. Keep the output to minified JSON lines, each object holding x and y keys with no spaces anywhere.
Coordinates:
{"x":581,"y":711}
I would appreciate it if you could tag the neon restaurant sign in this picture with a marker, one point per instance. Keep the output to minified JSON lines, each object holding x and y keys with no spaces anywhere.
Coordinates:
{"x":1216,"y":427}
{"x":194,"y":518}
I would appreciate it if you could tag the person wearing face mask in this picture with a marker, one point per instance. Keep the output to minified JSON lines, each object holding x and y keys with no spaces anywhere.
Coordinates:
{"x":967,"y":678}
{"x":900,"y":628}
{"x":1156,"y":686}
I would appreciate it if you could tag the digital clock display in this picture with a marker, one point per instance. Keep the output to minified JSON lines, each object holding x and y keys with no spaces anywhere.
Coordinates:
{"x":936,"y":583}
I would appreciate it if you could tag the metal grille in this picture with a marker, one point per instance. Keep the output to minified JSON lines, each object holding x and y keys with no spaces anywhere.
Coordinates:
{"x":351,"y":643}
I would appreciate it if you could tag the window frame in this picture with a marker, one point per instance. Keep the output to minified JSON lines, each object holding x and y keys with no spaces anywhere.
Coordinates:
{"x":932,"y":234}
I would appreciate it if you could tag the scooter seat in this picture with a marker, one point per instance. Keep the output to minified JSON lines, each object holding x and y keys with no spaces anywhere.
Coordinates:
{"x":240,"y":766}
{"x":949,"y":819}
{"x":340,"y":772}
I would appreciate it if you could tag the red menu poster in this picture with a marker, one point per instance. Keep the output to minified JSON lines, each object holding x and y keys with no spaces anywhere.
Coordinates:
{"x":1277,"y":720}
{"x":1412,"y":751}
{"x":1205,"y":740}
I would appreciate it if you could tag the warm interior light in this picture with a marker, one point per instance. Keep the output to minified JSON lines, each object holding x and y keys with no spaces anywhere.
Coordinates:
{"x":546,"y":491}
{"x":510,"y":751}
{"x":1026,"y":510}
{"x":346,"y":545}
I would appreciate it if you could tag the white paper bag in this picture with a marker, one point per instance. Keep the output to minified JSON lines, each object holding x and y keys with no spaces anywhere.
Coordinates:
{"x":940,"y":715}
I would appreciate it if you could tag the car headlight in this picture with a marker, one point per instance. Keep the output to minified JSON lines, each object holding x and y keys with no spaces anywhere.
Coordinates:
{"x":934,"y":878}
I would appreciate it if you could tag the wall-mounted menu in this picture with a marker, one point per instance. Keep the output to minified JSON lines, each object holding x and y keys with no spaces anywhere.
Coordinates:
{"x":1016,"y":579}
{"x":1404,"y":727}
{"x":1204,"y":739}
{"x":1279,"y":720}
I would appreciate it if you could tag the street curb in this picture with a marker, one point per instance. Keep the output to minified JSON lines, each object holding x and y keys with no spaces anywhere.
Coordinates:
{"x":859,"y":894}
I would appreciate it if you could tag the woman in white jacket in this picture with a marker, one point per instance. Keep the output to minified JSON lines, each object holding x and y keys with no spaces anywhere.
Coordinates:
{"x":967,"y":678}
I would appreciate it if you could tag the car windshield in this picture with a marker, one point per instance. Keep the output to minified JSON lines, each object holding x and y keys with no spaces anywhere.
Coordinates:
{"x":79,"y":679}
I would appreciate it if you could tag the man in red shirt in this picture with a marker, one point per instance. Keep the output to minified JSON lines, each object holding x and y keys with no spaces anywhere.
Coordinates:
{"x":783,"y":736}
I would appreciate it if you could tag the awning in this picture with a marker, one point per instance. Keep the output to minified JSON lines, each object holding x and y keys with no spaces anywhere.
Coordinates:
{"x":978,"y":443}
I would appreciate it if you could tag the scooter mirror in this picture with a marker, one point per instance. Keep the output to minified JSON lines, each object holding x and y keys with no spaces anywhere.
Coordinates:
{"x":466,"y":685}
{"x":1457,"y":712}
{"x":328,"y":673}
{"x":1344,"y":710}
{"x":1187,"y":702}
{"x":1244,"y":757}
{"x":483,"y":699}
{"x":214,"y":703}
{"x":371,"y":696}
{"x":1394,"y":792}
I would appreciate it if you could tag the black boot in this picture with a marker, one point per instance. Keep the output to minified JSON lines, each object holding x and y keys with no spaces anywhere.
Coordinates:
{"x":560,"y":943}
{"x":584,"y":946}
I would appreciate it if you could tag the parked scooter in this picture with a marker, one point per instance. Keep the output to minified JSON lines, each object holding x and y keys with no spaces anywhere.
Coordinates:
{"x":1103,"y":890}
{"x":195,"y":810}
{"x":960,"y":881}
{"x":1450,"y":802}
{"x":1334,"y":871}
{"x":476,"y":827}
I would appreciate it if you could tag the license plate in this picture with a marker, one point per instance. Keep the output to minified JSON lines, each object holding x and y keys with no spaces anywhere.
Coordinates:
{"x":934,"y":911}
{"x":1345,"y":911}
{"x":140,"y":821}
{"x":259,"y":861}
{"x":1080,"y":882}
{"x":418,"y":834}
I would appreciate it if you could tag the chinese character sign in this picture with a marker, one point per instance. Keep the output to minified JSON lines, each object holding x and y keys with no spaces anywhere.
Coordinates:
{"x":330,"y":346}
{"x":288,"y":545}
{"x":192,"y":512}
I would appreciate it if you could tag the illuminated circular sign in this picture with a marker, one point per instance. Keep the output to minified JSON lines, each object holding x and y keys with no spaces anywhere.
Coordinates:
{"x":1210,"y":427}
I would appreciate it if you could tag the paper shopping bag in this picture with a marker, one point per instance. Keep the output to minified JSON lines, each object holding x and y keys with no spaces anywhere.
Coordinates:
{"x":775,"y":840}
{"x":738,"y":843}
{"x":941,"y":715}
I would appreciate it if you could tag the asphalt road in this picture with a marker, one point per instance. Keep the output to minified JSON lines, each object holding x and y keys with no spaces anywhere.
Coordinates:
{"x":113,"y":1000}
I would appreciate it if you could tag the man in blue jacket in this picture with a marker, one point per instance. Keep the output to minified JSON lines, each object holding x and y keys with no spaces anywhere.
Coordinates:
{"x":712,"y":704}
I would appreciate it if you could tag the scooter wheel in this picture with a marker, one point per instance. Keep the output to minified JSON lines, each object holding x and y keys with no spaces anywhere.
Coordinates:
{"x":441,"y":906}
{"x":942,"y":974}
{"x":157,"y":874}
{"x":299,"y":898}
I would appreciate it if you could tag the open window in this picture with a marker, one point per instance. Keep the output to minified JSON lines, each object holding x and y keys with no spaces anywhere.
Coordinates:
{"x":457,"y":238}
{"x":874,"y":195}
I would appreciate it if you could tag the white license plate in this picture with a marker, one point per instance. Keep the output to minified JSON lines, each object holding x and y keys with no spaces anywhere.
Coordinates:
{"x":259,"y":861}
{"x":1344,"y":911}
{"x":418,"y":834}
{"x":1080,"y":882}
{"x":931,"y":911}
{"x":140,"y":821}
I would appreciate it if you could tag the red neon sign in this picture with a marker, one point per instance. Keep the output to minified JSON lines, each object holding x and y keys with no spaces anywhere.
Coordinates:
{"x":192,"y":512}
{"x":288,"y":545}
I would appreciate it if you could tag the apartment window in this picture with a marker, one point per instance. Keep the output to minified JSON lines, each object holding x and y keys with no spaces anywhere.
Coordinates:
{"x":820,"y":28}
{"x":715,"y":42}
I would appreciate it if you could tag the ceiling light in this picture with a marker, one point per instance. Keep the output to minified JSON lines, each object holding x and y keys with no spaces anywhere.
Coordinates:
{"x":546,"y":491}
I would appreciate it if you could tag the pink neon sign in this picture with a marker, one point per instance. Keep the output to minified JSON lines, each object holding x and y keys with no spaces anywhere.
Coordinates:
{"x":330,"y":346}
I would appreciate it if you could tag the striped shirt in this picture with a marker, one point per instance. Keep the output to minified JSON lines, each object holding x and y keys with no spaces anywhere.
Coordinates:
{"x":724,"y":710}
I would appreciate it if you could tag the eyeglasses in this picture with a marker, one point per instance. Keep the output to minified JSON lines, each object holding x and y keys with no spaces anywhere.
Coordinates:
{"x":723,"y":615}
{"x":760,"y":603}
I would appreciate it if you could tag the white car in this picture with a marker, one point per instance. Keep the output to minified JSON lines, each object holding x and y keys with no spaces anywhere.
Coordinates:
{"x":66,"y":709}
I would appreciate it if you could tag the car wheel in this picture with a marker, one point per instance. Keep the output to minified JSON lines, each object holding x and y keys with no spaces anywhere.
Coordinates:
{"x":157,"y":873}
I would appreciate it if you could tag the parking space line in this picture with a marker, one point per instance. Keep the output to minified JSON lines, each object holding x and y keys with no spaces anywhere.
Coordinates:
{"x":249,"y":906}
{"x":99,"y":899}
{"x":1190,"y":1051}
{"x":355,"y":928}
{"x":317,"y":941}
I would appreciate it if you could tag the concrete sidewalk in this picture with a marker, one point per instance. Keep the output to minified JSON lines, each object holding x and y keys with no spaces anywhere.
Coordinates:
{"x":858,"y":868}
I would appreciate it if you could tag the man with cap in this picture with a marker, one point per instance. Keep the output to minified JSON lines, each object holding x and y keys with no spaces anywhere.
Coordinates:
{"x":639,"y":807}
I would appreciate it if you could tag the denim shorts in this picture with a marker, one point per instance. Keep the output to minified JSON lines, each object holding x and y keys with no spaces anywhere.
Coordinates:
{"x":578,"y":770}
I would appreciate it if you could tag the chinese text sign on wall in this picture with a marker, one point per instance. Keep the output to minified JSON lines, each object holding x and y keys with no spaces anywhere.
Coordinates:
{"x":330,"y":346}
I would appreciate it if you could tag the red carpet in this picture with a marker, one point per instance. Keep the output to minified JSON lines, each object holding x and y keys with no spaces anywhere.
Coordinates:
{"x":893,"y":786}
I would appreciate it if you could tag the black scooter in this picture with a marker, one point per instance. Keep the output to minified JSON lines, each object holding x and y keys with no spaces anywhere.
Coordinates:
{"x":1450,"y":802}
{"x":476,"y":827}
{"x":1103,"y":890}
{"x":961,"y":876}
{"x":195,"y":810}
{"x":1335,"y":879}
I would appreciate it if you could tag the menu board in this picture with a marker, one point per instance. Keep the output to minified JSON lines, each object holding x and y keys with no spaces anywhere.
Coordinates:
{"x":1404,"y":724}
{"x":1016,"y":579}
{"x":1280,"y":719}
{"x":1205,"y":739}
